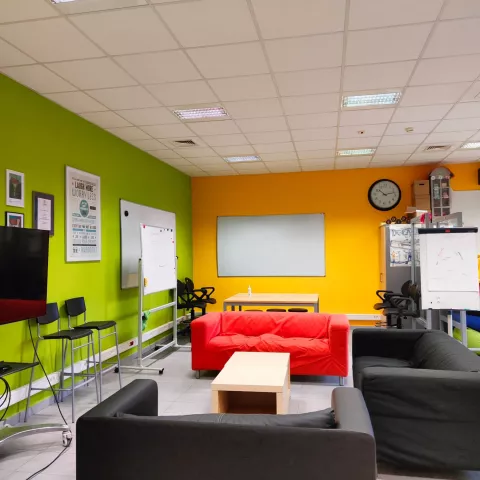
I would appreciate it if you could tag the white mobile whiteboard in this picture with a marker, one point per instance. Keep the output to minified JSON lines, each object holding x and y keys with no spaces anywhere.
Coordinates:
{"x":132,"y":215}
{"x":468,"y":203}
{"x":158,"y":259}
{"x":271,"y":246}
{"x":449,"y":275}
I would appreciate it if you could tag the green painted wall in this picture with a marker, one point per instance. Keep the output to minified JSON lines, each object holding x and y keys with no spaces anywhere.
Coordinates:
{"x":39,"y":138}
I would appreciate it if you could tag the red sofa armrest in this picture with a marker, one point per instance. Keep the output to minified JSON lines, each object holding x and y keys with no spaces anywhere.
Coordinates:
{"x":205,"y":328}
{"x":338,"y":330}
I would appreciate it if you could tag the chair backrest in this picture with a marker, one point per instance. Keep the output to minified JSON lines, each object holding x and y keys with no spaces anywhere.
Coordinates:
{"x":75,"y":306}
{"x":189,"y":285}
{"x":406,"y":288}
{"x":51,"y":316}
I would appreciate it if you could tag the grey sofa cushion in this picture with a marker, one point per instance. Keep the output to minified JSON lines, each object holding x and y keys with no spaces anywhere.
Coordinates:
{"x":320,"y":419}
{"x":360,"y":363}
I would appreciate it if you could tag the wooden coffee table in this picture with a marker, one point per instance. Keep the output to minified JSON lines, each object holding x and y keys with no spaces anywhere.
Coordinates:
{"x":253,"y":382}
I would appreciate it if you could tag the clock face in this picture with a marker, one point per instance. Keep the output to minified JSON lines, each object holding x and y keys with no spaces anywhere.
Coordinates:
{"x":384,"y":195}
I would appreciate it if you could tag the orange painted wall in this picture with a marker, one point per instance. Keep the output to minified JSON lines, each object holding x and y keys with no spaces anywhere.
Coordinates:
{"x":351,"y":227}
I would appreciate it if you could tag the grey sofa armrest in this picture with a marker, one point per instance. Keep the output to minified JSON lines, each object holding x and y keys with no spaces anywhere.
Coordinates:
{"x":371,"y":342}
{"x":351,"y":413}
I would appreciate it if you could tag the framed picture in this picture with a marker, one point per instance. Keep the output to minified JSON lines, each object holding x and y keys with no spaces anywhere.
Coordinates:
{"x":15,"y":189}
{"x":14,"y":219}
{"x":43,"y":212}
{"x":83,"y":234}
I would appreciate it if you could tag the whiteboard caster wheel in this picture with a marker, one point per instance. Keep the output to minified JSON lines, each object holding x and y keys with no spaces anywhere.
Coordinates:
{"x":160,"y":372}
{"x":67,"y":438}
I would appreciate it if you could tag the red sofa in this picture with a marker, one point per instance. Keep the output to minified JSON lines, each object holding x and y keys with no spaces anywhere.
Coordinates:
{"x":317,"y":342}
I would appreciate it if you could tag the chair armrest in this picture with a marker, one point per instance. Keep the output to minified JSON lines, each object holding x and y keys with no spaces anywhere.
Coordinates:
{"x":436,"y":395}
{"x":205,"y":328}
{"x":338,"y":331}
{"x":373,"y":342}
{"x":378,"y":292}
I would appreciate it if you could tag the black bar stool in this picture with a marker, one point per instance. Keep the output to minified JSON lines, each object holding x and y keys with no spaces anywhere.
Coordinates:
{"x":298,"y":310}
{"x":65,"y":336}
{"x":76,"y":307}
{"x":276,"y":310}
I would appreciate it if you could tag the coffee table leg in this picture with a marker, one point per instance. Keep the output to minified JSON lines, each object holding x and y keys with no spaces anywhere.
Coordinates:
{"x":219,"y":401}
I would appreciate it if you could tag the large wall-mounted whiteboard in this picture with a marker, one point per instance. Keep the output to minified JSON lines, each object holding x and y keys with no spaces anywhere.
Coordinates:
{"x":271,"y":246}
{"x":132,"y":215}
{"x":468,"y":202}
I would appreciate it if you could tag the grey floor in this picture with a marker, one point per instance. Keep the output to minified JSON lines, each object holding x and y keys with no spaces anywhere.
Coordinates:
{"x":179,"y":393}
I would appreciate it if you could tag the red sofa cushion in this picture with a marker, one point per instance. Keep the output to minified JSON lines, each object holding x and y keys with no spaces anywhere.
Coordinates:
{"x":286,"y":325}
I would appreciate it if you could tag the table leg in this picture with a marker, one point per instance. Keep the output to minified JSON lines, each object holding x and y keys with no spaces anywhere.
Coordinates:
{"x":239,"y":308}
{"x":463,"y":327}
{"x":316,"y":307}
{"x":219,"y":401}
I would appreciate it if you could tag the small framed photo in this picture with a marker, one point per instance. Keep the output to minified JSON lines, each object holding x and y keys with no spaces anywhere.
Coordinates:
{"x":43,"y":212}
{"x":13,"y":219}
{"x":15,"y":189}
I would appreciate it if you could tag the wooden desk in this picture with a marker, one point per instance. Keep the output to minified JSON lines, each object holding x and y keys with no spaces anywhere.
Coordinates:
{"x":253,"y":382}
{"x":273,"y":299}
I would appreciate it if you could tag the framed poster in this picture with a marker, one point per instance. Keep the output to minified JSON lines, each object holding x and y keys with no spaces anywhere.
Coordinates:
{"x":13,"y":219}
{"x":83,"y":216}
{"x":43,"y":212}
{"x":15,"y":189}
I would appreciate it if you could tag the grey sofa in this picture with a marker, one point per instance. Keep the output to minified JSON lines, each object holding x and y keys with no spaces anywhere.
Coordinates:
{"x":122,"y":438}
{"x":422,"y":390}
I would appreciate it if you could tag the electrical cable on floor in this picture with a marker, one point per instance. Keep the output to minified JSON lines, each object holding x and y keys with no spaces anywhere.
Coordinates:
{"x":50,"y":464}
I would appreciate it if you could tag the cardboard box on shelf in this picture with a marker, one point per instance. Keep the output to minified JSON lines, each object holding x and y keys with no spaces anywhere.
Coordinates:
{"x":421,"y":188}
{"x":422,"y":202}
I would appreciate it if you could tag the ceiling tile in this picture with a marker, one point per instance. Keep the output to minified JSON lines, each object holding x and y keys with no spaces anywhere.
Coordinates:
{"x":475,"y":138}
{"x":366,"y":117}
{"x":472,"y":94}
{"x":244,"y":88}
{"x":88,"y":6}
{"x":458,"y":125}
{"x":284,"y":167}
{"x":93,"y":73}
{"x":168,"y":131}
{"x":49,"y":40}
{"x":446,"y":70}
{"x":10,"y":56}
{"x":457,"y":37}
{"x":383,"y":13}
{"x":433,"y":94}
{"x":365,"y":142}
{"x":317,"y":162}
{"x":225,"y":140}
{"x":124,"y":98}
{"x":147,"y":145}
{"x":315,"y":168}
{"x":315,"y":145}
{"x":268,"y":107}
{"x":183,"y":93}
{"x":308,"y":82}
{"x":230,"y":60}
{"x":148,"y":116}
{"x":38,"y":78}
{"x":77,"y":102}
{"x":316,"y":155}
{"x":465,"y":110}
{"x":328,"y":102}
{"x":314,"y":134}
{"x":268,"y":137}
{"x":370,"y":77}
{"x":222,"y":173}
{"x":218,"y":169}
{"x":402,"y":139}
{"x":129,"y":133}
{"x":313,"y":120}
{"x":269,"y":124}
{"x":249,"y":166}
{"x":106,"y":119}
{"x":456,"y":160}
{"x":347,"y":163}
{"x":119,"y":32}
{"x":192,"y":152}
{"x":449,"y":136}
{"x":192,"y":171}
{"x":393,"y":150}
{"x":15,"y":10}
{"x":291,"y":18}
{"x":177,"y":142}
{"x":161,"y":67}
{"x":418,"y":127}
{"x":274,"y":147}
{"x":218,"y":127}
{"x":209,"y":22}
{"x":306,"y":53}
{"x":217,"y":163}
{"x":461,"y":9}
{"x":166,"y":154}
{"x":361,"y":131}
{"x":385,"y":163}
{"x":386,"y":44}
{"x":427,"y":156}
{"x":396,"y":157}
{"x":279,"y":157}
{"x":426,"y":161}
{"x":420,"y":114}
{"x":238,"y":150}
{"x":471,"y":155}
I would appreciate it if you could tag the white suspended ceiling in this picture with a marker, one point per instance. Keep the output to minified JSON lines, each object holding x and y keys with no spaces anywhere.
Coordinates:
{"x":279,"y":68}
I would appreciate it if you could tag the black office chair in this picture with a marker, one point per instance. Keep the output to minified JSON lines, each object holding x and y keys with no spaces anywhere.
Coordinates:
{"x":389,"y":308}
{"x":76,"y":307}
{"x":65,"y":336}
{"x":203,"y":294}
{"x":190,"y":300}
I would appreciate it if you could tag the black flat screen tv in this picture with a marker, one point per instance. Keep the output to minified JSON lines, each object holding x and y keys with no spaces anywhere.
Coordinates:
{"x":23,"y":273}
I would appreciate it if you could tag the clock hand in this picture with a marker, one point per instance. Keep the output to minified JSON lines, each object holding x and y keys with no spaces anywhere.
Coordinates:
{"x":383,"y":193}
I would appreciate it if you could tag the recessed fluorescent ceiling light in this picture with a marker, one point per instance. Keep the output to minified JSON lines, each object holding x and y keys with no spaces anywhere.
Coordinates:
{"x":471,"y":145}
{"x":377,"y":99}
{"x":360,"y":151}
{"x":196,"y":113}
{"x":246,"y":158}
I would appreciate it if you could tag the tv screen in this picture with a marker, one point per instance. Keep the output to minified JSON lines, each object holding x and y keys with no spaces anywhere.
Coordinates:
{"x":23,"y":273}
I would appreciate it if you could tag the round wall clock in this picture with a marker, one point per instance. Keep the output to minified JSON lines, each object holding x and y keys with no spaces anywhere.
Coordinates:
{"x":384,"y":195}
